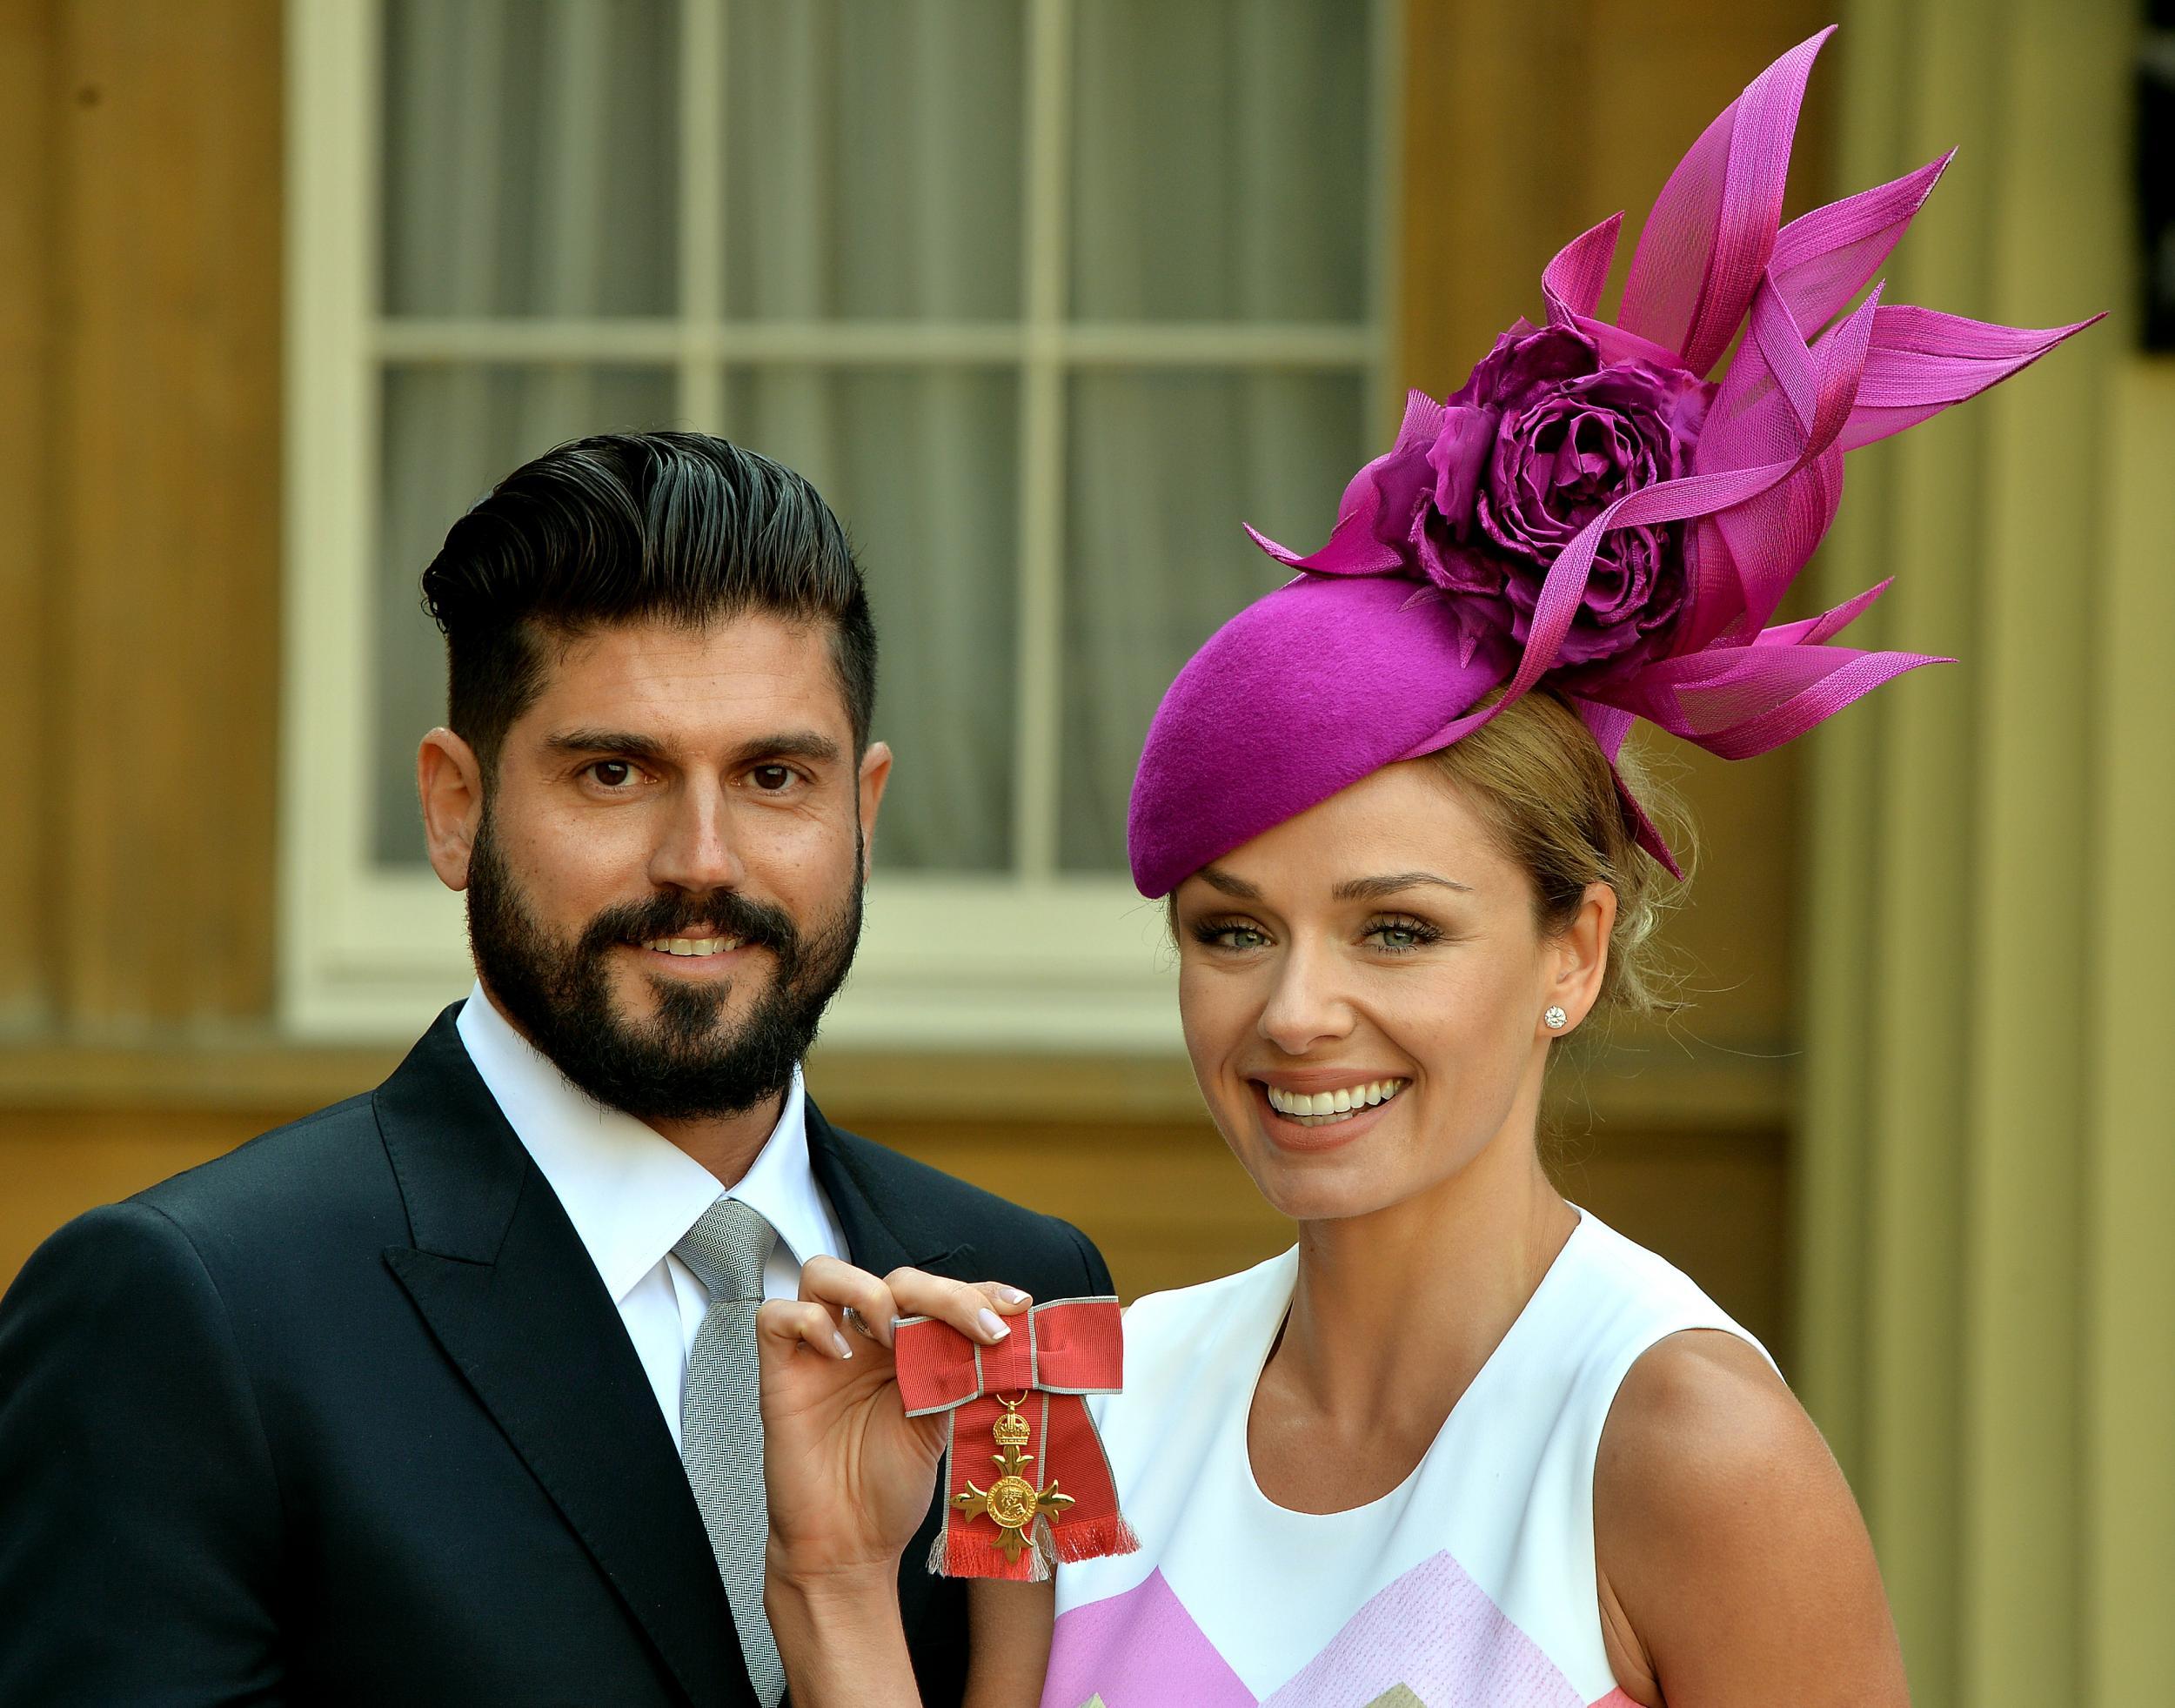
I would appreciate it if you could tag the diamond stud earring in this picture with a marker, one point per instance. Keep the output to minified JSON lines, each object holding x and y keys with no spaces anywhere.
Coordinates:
{"x":1554,"y":1018}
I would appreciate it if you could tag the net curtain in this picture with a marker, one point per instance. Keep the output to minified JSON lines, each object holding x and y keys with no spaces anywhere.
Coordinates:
{"x":874,"y":171}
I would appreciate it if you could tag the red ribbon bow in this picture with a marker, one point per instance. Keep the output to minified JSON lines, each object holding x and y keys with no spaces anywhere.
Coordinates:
{"x":1067,"y":1509}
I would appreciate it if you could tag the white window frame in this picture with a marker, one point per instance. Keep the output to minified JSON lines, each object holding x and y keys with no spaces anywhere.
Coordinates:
{"x":1033,"y":958}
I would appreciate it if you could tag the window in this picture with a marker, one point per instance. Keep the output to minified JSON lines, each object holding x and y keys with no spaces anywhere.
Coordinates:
{"x":1046,"y":297}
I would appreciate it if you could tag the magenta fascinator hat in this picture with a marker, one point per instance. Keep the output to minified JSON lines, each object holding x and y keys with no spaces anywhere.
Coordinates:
{"x":1590,"y":513}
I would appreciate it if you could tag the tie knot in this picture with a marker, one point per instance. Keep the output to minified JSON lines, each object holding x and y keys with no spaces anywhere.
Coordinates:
{"x":727,"y":1248}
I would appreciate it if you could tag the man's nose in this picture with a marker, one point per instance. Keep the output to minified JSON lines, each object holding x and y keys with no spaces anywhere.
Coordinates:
{"x":697,"y":850}
{"x":1305,"y":1006}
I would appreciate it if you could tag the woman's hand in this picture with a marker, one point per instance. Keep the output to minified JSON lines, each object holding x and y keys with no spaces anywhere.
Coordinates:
{"x":849,"y":1474}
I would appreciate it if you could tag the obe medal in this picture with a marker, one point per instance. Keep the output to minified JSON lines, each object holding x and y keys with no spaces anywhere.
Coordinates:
{"x":1012,"y":1502}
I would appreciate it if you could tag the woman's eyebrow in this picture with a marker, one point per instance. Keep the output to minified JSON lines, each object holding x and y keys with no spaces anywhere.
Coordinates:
{"x":1374,"y":889}
{"x":1218,"y":879}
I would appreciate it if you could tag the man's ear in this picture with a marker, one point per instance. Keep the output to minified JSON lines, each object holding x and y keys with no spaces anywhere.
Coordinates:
{"x":450,"y":784}
{"x":875,"y":774}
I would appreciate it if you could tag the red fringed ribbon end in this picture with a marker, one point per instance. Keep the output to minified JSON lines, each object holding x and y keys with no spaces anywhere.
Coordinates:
{"x":956,"y":1552}
{"x":1095,"y":1539}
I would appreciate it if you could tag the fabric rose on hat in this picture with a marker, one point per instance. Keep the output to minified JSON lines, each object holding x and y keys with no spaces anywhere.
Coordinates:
{"x":1539,"y":441}
{"x":1481,"y":494}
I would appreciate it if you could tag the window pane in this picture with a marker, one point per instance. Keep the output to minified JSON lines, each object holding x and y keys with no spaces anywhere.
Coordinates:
{"x":873,"y":158}
{"x":450,"y":434}
{"x":1165,"y":467}
{"x":531,"y":157}
{"x":1220,"y":160}
{"x":922,"y":467}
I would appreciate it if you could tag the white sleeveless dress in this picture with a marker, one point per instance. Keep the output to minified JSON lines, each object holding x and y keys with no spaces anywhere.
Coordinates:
{"x":1471,"y":1584}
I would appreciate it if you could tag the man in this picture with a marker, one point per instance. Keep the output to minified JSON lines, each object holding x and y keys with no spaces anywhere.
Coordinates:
{"x":425,"y":1398}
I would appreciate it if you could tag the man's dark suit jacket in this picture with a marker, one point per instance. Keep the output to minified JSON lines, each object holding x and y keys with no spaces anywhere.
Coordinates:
{"x":348,"y":1417}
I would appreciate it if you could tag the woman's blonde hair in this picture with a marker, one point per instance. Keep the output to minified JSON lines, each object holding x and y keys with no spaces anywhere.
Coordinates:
{"x":1540,"y":782}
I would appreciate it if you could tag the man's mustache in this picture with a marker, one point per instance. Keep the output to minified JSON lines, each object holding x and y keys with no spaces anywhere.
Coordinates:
{"x":724,"y":913}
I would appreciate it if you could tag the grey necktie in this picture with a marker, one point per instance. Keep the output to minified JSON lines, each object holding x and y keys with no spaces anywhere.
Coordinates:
{"x":721,"y":1423}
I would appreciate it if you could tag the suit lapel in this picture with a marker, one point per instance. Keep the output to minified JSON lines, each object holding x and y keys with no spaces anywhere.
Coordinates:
{"x":885,"y":1226}
{"x":888,"y":1225}
{"x":511,"y":1296}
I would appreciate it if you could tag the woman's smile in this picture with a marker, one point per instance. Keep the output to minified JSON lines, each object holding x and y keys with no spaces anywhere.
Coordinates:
{"x":1295,"y":1117}
{"x":1316,"y":1132}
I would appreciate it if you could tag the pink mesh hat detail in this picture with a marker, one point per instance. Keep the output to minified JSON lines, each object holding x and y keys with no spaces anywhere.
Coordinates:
{"x":1590,"y":513}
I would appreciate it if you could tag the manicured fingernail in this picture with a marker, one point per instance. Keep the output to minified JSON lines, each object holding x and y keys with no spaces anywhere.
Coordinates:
{"x":838,"y":1341}
{"x":993,"y":1325}
{"x":1010,"y":1296}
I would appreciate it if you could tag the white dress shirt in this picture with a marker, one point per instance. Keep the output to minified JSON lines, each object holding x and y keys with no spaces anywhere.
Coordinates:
{"x":630,"y":1193}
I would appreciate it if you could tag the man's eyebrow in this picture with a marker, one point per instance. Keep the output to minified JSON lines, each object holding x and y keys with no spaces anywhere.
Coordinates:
{"x":607,"y":741}
{"x":1392,"y":883}
{"x":1216,"y":878}
{"x":788,"y":744}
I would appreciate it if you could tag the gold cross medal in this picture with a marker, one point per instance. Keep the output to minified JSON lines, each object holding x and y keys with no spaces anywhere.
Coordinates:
{"x":1059,"y":1354}
{"x":1012,"y":1502}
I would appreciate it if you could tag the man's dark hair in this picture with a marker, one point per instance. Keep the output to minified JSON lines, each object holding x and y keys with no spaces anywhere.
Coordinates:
{"x":624,"y":527}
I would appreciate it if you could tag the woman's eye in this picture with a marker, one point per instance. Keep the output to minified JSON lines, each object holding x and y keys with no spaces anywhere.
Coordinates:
{"x":1237,"y":937}
{"x":772,"y":778}
{"x":1401,"y":935}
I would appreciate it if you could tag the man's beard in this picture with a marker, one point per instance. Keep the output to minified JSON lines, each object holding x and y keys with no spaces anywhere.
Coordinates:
{"x":677,"y":1066}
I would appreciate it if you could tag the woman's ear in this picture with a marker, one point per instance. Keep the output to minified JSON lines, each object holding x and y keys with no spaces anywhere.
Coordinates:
{"x":449,"y":782}
{"x":1578,"y":960}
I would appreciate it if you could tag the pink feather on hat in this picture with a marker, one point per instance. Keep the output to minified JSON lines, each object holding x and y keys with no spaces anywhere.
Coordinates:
{"x":1591,"y":512}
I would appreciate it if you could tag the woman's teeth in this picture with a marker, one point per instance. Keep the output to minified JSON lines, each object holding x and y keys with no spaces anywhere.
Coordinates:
{"x":695,"y":946}
{"x":1322,"y":1109}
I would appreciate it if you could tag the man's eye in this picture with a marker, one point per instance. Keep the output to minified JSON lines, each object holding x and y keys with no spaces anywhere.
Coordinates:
{"x":772,"y":778}
{"x":613,"y":773}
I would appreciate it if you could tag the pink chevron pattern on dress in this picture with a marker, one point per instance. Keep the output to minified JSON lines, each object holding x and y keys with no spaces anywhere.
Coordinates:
{"x":1136,"y":1651}
{"x":1432,"y":1633}
{"x":1435,"y":1631}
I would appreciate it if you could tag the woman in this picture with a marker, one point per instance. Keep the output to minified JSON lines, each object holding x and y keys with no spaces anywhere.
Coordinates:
{"x":1464,"y":1444}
